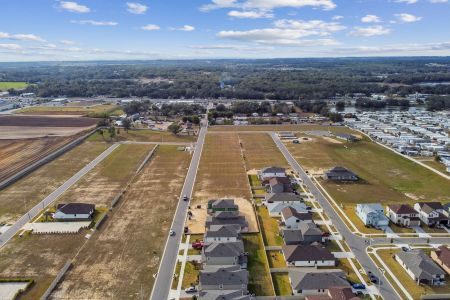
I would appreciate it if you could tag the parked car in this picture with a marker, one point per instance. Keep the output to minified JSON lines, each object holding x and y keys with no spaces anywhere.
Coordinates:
{"x":198,"y":245}
{"x":186,"y":229}
{"x":406,"y":249}
{"x":358,"y":286}
{"x":171,"y":233}
{"x":296,"y":141}
{"x":191,"y":289}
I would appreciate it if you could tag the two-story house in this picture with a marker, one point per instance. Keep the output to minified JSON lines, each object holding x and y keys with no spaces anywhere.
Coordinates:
{"x":403,"y":215}
{"x":372,"y":214}
{"x":432,"y":213}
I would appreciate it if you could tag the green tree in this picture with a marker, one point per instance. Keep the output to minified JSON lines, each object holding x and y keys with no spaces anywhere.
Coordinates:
{"x":112,"y":132}
{"x":126,"y":124}
{"x":174,"y":128}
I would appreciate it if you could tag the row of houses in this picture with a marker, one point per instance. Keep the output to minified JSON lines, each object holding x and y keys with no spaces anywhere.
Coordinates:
{"x":304,"y":242}
{"x":223,"y":257}
{"x":432,"y":214}
{"x":417,"y":133}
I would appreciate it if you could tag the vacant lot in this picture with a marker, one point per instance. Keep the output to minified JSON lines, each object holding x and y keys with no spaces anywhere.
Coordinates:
{"x":18,"y":154}
{"x":108,"y":178}
{"x":46,"y":121}
{"x":6,"y":85}
{"x":118,"y":261}
{"x":18,"y":198}
{"x":415,"y":290}
{"x":260,"y":151}
{"x":143,"y":136}
{"x":91,"y":111}
{"x":287,"y":127}
{"x":385,"y":176}
{"x":221,"y":174}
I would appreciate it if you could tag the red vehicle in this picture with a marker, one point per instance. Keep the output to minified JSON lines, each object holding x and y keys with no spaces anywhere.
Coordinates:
{"x":198,"y":245}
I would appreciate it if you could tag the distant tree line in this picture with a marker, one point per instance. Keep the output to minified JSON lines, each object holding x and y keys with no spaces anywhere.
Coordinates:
{"x":437,"y":103}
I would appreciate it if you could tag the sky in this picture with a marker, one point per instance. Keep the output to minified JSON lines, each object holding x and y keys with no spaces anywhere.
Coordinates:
{"x":54,"y":30}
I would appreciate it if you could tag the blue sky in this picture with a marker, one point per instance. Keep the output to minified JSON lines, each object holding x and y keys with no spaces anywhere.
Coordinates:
{"x":182,"y":29}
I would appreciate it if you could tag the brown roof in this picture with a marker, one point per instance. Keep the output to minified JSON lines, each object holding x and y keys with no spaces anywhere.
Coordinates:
{"x":444,"y":255}
{"x":402,"y":209}
{"x":306,"y":253}
{"x":341,"y":293}
{"x":289,"y":211}
{"x":282,"y":180}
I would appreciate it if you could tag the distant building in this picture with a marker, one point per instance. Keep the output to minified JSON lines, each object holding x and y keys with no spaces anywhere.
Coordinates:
{"x":222,"y":205}
{"x":316,"y":283}
{"x":432,"y":213}
{"x":340,"y":174}
{"x":74,"y":211}
{"x":270,"y":172}
{"x":346,"y":137}
{"x":442,"y":257}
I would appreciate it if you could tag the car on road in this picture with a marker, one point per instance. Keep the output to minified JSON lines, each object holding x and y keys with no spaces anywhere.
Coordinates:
{"x":185,"y":198}
{"x":373,"y":278}
{"x":171,"y":233}
{"x":191,"y":289}
{"x":406,"y":249}
{"x":359,"y":286}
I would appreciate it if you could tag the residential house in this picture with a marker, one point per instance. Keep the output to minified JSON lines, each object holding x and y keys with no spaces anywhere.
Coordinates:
{"x":227,"y":218}
{"x":335,"y":293}
{"x":224,"y":254}
{"x":340,"y":174}
{"x":223,"y":278}
{"x":372,"y":214}
{"x":403,"y":215}
{"x":74,"y":212}
{"x":223,"y":295}
{"x":288,"y":198}
{"x":280,"y":185}
{"x":442,"y":257}
{"x":292,"y":218}
{"x":306,"y":234}
{"x":316,"y":283}
{"x":421,"y":267}
{"x":432,"y":213}
{"x":308,"y":256}
{"x":275,"y":208}
{"x":270,"y":172}
{"x":215,"y":205}
{"x":222,"y":233}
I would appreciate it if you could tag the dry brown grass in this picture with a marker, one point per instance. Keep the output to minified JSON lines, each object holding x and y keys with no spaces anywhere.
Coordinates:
{"x":287,"y":127}
{"x":121,"y":258}
{"x":221,"y":174}
{"x":102,"y":183}
{"x":260,"y":151}
{"x":18,"y":198}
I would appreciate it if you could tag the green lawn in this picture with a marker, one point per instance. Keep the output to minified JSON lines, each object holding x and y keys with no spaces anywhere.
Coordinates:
{"x":6,"y":85}
{"x":191,"y":273}
{"x":282,"y":284}
{"x":259,"y":281}
{"x":333,"y":246}
{"x":269,"y":228}
{"x":142,"y":136}
{"x":254,"y":180}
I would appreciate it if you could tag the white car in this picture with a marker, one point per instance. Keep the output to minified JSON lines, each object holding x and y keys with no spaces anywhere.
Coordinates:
{"x":191,"y":289}
{"x":171,"y":232}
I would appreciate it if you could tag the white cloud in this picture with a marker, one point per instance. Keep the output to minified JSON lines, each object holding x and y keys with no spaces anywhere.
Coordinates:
{"x":288,"y":33}
{"x":10,"y":46}
{"x":94,"y":23}
{"x":136,"y":8}
{"x":268,"y":4}
{"x":370,"y":19}
{"x":370,"y":31}
{"x":337,"y":18}
{"x":21,"y":37}
{"x":183,"y":28}
{"x":150,"y":27}
{"x":438,"y":1}
{"x":67,"y":42}
{"x":407,"y":18}
{"x":250,"y":14}
{"x":74,"y":7}
{"x":407,"y":1}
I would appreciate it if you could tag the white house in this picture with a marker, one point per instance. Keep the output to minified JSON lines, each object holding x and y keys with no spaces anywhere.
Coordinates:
{"x":270,"y":172}
{"x":222,"y":233}
{"x":292,"y":218}
{"x":403,"y":215}
{"x":372,"y":214}
{"x":74,"y":211}
{"x":275,"y":208}
{"x":431,"y":213}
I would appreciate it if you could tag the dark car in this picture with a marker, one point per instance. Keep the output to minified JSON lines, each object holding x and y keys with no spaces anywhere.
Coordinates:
{"x":359,"y":286}
{"x":185,"y":198}
{"x":406,"y":249}
{"x":373,"y":278}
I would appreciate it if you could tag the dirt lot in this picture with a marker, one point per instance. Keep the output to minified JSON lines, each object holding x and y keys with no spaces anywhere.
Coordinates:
{"x":102,"y":184}
{"x":144,"y":136}
{"x":118,"y":262}
{"x":221,"y":174}
{"x":93,"y":111}
{"x":18,"y":198}
{"x":46,"y":121}
{"x":260,"y":151}
{"x":287,"y":127}
{"x":17,"y":154}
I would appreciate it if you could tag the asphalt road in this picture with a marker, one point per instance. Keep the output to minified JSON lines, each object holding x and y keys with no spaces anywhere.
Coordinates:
{"x":32,"y":213}
{"x":357,"y":244}
{"x":163,"y":282}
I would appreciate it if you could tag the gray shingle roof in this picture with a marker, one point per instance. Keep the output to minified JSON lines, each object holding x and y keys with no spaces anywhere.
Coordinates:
{"x":283,"y":197}
{"x":229,"y":249}
{"x":223,"y":295}
{"x":304,"y":280}
{"x":306,"y":253}
{"x":226,"y":275}
{"x":309,"y":229}
{"x":272,"y":170}
{"x":222,"y":203}
{"x":289,"y":212}
{"x":223,"y":231}
{"x":76,"y":208}
{"x":420,"y":264}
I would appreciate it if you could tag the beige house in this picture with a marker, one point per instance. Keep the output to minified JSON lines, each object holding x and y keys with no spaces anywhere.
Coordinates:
{"x":441,"y":256}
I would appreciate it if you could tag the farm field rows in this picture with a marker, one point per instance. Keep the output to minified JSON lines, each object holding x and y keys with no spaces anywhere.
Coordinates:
{"x":221,"y":174}
{"x":19,"y":197}
{"x":119,"y":260}
{"x":90,"y":111}
{"x":18,"y":154}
